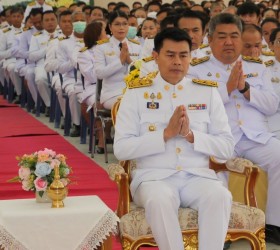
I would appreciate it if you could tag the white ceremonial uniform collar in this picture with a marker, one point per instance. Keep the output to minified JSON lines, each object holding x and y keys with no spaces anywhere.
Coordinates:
{"x":116,"y":41}
{"x":159,"y":79}
{"x":227,"y":67}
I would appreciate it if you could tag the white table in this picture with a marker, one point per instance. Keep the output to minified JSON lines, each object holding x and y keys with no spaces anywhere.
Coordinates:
{"x":84,"y":223}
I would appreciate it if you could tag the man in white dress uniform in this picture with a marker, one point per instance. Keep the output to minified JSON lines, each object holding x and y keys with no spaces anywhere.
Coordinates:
{"x":171,"y":125}
{"x":248,"y":96}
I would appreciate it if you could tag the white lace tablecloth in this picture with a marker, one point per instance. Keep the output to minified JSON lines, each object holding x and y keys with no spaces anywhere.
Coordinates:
{"x":83,"y":223}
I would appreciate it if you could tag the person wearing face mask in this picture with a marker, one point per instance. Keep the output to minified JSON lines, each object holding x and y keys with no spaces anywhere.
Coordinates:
{"x":68,"y":49}
{"x":112,"y":58}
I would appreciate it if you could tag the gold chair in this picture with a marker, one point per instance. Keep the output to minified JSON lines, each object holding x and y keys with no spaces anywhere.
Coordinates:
{"x":246,"y":221}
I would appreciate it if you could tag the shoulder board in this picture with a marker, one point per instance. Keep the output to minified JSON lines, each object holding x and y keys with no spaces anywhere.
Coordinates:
{"x":6,"y":30}
{"x":252,"y":59}
{"x":26,"y":28}
{"x":32,"y":3}
{"x":264,"y":46}
{"x":63,"y":38}
{"x":48,"y":4}
{"x":202,"y":46}
{"x":145,"y":81}
{"x":103,"y":41}
{"x":19,"y":32}
{"x":83,"y":49}
{"x":200,"y":60}
{"x":205,"y":82}
{"x":38,"y":33}
{"x":53,"y":38}
{"x":268,"y":53}
{"x":4,"y":27}
{"x":269,"y":63}
{"x":133,"y":41}
{"x":148,"y":59}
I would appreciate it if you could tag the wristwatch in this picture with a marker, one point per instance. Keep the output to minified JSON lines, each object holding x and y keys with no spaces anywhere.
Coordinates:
{"x":247,"y":86}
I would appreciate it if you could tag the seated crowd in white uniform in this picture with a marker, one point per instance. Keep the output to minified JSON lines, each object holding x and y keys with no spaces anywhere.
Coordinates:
{"x":59,"y":54}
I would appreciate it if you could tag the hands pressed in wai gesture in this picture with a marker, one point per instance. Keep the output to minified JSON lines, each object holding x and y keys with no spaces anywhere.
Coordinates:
{"x":124,"y":55}
{"x":178,"y":125}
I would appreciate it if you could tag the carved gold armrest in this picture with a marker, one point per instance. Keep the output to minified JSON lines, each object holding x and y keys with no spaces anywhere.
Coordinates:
{"x":243,"y":167}
{"x":117,"y":173}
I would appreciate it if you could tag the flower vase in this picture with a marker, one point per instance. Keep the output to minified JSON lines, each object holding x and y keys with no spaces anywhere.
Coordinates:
{"x":42,"y":199}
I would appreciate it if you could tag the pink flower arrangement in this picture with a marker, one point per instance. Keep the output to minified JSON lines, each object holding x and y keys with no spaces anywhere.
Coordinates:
{"x":36,"y":171}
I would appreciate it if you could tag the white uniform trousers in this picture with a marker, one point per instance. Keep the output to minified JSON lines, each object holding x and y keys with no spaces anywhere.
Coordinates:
{"x":161,"y":200}
{"x":75,"y":108}
{"x":108,"y":104}
{"x":30,"y":79}
{"x":56,"y":84}
{"x":16,"y":81}
{"x":41,"y":80}
{"x":90,"y":101}
{"x":268,"y":158}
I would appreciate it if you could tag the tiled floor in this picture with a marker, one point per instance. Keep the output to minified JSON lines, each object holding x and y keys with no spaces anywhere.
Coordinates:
{"x":239,"y":245}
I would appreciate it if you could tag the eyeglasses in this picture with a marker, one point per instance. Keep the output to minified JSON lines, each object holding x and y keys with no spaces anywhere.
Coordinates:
{"x":120,"y":24}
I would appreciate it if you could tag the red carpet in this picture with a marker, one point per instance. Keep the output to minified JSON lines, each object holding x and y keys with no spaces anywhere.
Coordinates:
{"x":20,"y":133}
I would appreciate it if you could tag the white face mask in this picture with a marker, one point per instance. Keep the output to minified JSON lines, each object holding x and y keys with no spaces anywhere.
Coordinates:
{"x":152,"y":14}
{"x":275,"y":7}
{"x":140,"y":20}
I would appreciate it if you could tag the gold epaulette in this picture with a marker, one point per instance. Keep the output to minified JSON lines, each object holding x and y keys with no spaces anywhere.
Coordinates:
{"x":264,"y":46}
{"x":26,"y":28}
{"x":134,"y":41}
{"x":83,"y":49}
{"x":63,"y":38}
{"x":268,"y":53}
{"x":6,"y":30}
{"x":205,"y":82}
{"x":252,"y":59}
{"x":202,"y":46}
{"x":148,"y":59}
{"x":32,"y":3}
{"x":53,"y":38}
{"x":200,"y":60}
{"x":99,"y":42}
{"x":269,"y":63}
{"x":38,"y":33}
{"x":4,"y":27}
{"x":19,"y":32}
{"x":145,"y":81}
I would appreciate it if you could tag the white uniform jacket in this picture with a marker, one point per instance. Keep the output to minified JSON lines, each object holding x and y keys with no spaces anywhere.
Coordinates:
{"x":108,"y":66}
{"x":245,"y":117}
{"x":274,"y":120}
{"x":35,"y":4}
{"x":139,"y":130}
{"x":86,"y":66}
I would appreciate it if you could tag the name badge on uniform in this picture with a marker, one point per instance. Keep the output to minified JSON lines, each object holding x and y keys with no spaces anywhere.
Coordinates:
{"x":250,"y":75}
{"x":197,"y":106}
{"x":152,"y":105}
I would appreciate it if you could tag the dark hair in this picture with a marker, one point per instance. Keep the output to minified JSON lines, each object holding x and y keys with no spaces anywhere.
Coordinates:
{"x":111,"y":3}
{"x":166,"y":21}
{"x":273,"y":35}
{"x":16,"y":9}
{"x":192,"y":14}
{"x":152,"y":3}
{"x":80,"y":3}
{"x":64,"y":13}
{"x":179,"y":4}
{"x":164,"y":10}
{"x":248,"y":8}
{"x":120,"y":5}
{"x":48,"y":12}
{"x":224,"y":18}
{"x":96,"y":8}
{"x":150,"y":19}
{"x":116,"y":13}
{"x":72,"y":4}
{"x":92,"y":33}
{"x":173,"y":34}
{"x":26,"y":19}
{"x":87,"y":7}
{"x":35,"y":11}
{"x":270,"y":20}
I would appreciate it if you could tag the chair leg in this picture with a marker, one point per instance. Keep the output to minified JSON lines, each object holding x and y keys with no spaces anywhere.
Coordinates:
{"x":91,"y":128}
{"x":11,"y":91}
{"x":103,"y":124}
{"x":5,"y":90}
{"x":57,"y":116}
{"x":53,"y":103}
{"x":83,"y":136}
{"x":67,"y":125}
{"x":23,"y":99}
{"x":38,"y":105}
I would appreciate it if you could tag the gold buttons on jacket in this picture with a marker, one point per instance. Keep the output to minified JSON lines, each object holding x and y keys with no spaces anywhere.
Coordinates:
{"x":238,"y":106}
{"x":178,"y":168}
{"x":166,"y":87}
{"x":180,"y":87}
{"x":174,"y":95}
{"x":240,"y":122}
{"x":152,"y":127}
{"x":178,"y":150}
